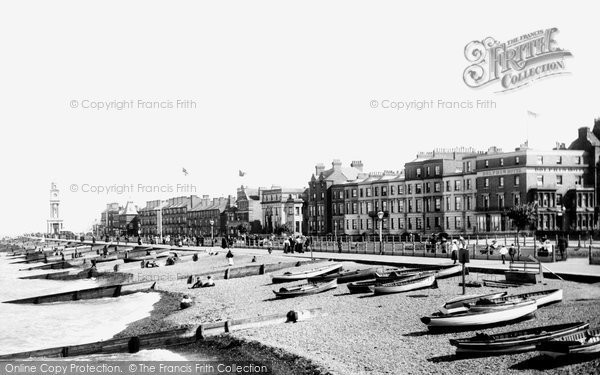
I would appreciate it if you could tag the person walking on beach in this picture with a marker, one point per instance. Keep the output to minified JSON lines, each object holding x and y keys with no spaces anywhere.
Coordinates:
{"x":229,"y":257}
{"x":454,"y":251}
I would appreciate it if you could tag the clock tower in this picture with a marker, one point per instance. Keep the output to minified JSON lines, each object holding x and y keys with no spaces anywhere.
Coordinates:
{"x":54,"y":224}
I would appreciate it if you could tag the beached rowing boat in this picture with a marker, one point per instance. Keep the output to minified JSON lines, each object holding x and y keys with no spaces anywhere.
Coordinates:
{"x":577,"y":344}
{"x":301,"y":275}
{"x":406,"y":285}
{"x":541,"y":298}
{"x":481,"y":318}
{"x":306,"y":289}
{"x":447,"y":271}
{"x":458,"y":304}
{"x":366,"y":286}
{"x":346,"y":276}
{"x":515,"y":341}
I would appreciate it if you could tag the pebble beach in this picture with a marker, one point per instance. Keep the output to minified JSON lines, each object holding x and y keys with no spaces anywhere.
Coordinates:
{"x":357,"y":333}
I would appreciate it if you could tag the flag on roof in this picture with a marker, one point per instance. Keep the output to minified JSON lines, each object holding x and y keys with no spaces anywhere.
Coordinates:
{"x":242,"y":174}
{"x":184,"y":171}
{"x":532,"y":114}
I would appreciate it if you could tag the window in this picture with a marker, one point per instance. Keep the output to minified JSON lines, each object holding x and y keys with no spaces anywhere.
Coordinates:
{"x":502,"y":162}
{"x":384,"y":191}
{"x":486,"y":182}
{"x":419,"y":205}
{"x":400,"y":189}
{"x":578,"y":160}
{"x":354,"y":208}
{"x":500,"y":200}
{"x":485,"y":201}
{"x":468,"y":184}
{"x":448,"y":186}
{"x":540,"y":159}
{"x":361,"y":193}
{"x":457,"y":203}
{"x":559,"y":161}
{"x":392,"y":190}
{"x":437,"y":187}
{"x":409,"y":189}
{"x":418,"y":172}
{"x":368,"y":192}
{"x":468,"y":166}
{"x":487,"y":163}
{"x":410,"y":205}
{"x":437,"y":222}
{"x":354,"y":224}
{"x":559,"y":199}
{"x":559,"y":179}
{"x":428,"y":187}
{"x":353,"y":193}
{"x":418,"y":189}
{"x":516,"y":160}
{"x":427,"y":223}
{"x":501,"y":182}
{"x":438,"y":204}
{"x":400,"y":205}
{"x":516,"y":199}
{"x":400,"y":223}
{"x":419,"y":223}
{"x":458,"y":223}
{"x":437,"y":170}
{"x":447,"y":203}
{"x":457,"y":185}
{"x":376,"y":191}
{"x":517,"y":180}
{"x":540,"y":180}
{"x":579,"y":180}
{"x":428,"y":173}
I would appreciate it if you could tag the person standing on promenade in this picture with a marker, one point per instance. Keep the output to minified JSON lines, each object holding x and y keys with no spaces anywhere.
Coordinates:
{"x":229,"y":257}
{"x":503,"y":253}
{"x":454,"y":251}
{"x":339,"y":244}
{"x":511,"y":252}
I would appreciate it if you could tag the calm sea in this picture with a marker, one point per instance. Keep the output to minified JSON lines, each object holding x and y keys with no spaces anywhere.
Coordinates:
{"x":30,"y":327}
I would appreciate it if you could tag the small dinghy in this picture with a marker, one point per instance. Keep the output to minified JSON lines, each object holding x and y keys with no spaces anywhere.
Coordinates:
{"x":481,"y":318}
{"x":304,"y":290}
{"x":541,"y":298}
{"x":405,"y":285}
{"x":458,"y":304}
{"x":346,"y":276}
{"x":578,"y":344}
{"x":514,"y":342}
{"x":301,"y":275}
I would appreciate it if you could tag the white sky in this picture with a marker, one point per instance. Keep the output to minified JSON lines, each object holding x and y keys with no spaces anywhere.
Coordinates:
{"x":280,"y":86}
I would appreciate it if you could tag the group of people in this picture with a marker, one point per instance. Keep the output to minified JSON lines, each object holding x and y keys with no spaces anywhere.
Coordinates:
{"x":296,"y":244}
{"x":199,"y":284}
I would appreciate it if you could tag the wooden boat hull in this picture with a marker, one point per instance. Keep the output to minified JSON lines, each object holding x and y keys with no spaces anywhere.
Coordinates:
{"x":290,"y":276}
{"x":365,"y":286}
{"x":461,"y":300}
{"x":483,"y":318}
{"x":304,"y":290}
{"x":449,"y":271}
{"x":541,"y":298}
{"x":90,"y":293}
{"x":405,"y":285}
{"x":584,"y":343}
{"x":515,"y":341}
{"x":346,"y":276}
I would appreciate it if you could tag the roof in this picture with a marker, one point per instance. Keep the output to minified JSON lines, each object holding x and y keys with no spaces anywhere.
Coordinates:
{"x":130,"y":209}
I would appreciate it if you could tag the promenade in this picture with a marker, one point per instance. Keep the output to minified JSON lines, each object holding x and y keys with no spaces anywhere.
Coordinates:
{"x":575,"y":269}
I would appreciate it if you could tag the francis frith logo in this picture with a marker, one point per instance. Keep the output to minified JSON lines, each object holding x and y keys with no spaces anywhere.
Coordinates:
{"x":514,"y":63}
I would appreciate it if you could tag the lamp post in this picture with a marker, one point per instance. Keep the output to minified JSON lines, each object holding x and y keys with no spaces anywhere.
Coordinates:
{"x":380,"y":216}
{"x":212,"y":239}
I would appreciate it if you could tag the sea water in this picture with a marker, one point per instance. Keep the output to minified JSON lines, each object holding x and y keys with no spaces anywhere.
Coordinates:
{"x":27,"y":327}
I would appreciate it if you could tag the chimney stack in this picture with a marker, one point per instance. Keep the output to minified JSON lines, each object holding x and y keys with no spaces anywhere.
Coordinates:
{"x":336,"y":164}
{"x":357,"y":164}
{"x":319,"y":168}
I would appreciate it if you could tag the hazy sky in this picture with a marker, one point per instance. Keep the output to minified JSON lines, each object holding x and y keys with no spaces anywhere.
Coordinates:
{"x":279,"y":87}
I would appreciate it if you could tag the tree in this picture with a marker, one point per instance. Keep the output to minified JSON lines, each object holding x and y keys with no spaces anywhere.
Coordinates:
{"x":523,"y":216}
{"x":281,"y":229}
{"x":242,"y":229}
